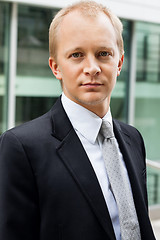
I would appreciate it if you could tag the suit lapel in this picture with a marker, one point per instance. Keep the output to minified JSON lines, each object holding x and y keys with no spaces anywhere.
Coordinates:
{"x":131,"y":159}
{"x":129,"y":156}
{"x":76,"y":161}
{"x":125,"y":146}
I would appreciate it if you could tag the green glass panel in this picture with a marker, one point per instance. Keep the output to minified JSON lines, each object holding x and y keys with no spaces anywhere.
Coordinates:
{"x":4,"y":48}
{"x":147,"y":98}
{"x":28,"y":108}
{"x":147,"y":94}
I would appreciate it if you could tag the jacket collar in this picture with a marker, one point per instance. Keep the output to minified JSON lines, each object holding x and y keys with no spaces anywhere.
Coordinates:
{"x":61,"y":126}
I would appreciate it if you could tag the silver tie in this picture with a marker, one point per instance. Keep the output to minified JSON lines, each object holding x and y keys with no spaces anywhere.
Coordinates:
{"x":119,"y":185}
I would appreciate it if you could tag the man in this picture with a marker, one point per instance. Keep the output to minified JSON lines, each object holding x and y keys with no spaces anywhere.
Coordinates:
{"x":54,"y":181}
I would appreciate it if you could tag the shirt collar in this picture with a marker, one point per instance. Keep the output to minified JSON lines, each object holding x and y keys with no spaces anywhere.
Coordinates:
{"x":82,"y":119}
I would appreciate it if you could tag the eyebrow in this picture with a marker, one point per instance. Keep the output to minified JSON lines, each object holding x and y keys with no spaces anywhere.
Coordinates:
{"x":106,"y":48}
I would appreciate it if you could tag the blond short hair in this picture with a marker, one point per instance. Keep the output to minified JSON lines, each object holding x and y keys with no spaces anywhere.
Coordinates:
{"x":89,"y":9}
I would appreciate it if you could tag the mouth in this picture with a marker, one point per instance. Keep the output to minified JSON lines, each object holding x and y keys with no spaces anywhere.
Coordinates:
{"x":91,"y":84}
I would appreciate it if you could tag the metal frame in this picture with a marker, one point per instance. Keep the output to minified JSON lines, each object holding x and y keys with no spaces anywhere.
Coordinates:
{"x":132,"y":76}
{"x":139,"y":10}
{"x":153,"y":164}
{"x":12,"y":65}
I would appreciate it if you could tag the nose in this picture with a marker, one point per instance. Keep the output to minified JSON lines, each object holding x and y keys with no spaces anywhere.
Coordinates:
{"x":91,"y":67}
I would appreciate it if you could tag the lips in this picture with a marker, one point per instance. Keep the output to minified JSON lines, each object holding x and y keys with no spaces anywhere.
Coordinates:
{"x":91,"y":84}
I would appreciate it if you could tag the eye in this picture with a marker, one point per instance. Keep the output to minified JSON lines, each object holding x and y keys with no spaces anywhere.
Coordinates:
{"x":77,"y":55}
{"x":104,"y":54}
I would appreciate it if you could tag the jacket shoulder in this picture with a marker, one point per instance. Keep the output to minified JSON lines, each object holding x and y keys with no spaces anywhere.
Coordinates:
{"x":36,"y":127}
{"x":127,"y":129}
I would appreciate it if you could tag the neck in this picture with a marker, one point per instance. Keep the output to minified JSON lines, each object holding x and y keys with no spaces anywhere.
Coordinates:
{"x":99,"y":109}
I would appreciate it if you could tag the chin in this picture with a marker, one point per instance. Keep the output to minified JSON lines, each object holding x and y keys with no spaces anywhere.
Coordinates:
{"x":92,"y":101}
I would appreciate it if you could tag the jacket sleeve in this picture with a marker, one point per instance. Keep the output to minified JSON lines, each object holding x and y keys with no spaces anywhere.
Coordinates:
{"x":19,"y":215}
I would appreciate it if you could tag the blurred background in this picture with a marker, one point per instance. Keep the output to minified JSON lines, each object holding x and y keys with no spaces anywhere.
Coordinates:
{"x":28,"y":88}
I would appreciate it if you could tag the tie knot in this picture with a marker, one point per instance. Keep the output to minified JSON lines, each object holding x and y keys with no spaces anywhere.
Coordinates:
{"x":106,"y":130}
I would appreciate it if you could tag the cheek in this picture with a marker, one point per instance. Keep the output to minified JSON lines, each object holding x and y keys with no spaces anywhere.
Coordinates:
{"x":111,"y":73}
{"x":114,"y":78}
{"x":67,"y":71}
{"x":114,"y":70}
{"x":111,"y":76}
{"x":68,"y":77}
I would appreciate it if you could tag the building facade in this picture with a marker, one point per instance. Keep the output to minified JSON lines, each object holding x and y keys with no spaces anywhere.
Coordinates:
{"x":28,"y":88}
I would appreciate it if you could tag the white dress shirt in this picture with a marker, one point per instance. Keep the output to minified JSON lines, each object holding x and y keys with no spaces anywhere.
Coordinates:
{"x":82,"y":119}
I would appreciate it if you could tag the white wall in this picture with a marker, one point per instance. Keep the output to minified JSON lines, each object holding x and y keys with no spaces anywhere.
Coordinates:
{"x":141,"y":10}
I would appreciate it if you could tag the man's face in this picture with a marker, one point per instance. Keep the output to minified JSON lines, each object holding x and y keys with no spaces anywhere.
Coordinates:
{"x":88,"y":60}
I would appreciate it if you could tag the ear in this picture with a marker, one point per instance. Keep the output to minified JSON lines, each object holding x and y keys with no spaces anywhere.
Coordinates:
{"x":120,"y":64}
{"x":55,"y":68}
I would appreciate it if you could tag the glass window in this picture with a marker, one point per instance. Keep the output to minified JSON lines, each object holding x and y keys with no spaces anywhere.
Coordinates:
{"x":147,"y":98}
{"x":28,"y":108}
{"x":119,"y":101}
{"x":4,"y":47}
{"x":36,"y":87}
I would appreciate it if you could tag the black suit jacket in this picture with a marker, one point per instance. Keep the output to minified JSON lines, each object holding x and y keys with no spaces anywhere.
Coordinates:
{"x":48,"y":188}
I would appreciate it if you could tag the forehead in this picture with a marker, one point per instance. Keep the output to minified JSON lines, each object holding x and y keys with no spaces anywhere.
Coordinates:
{"x":76,"y":25}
